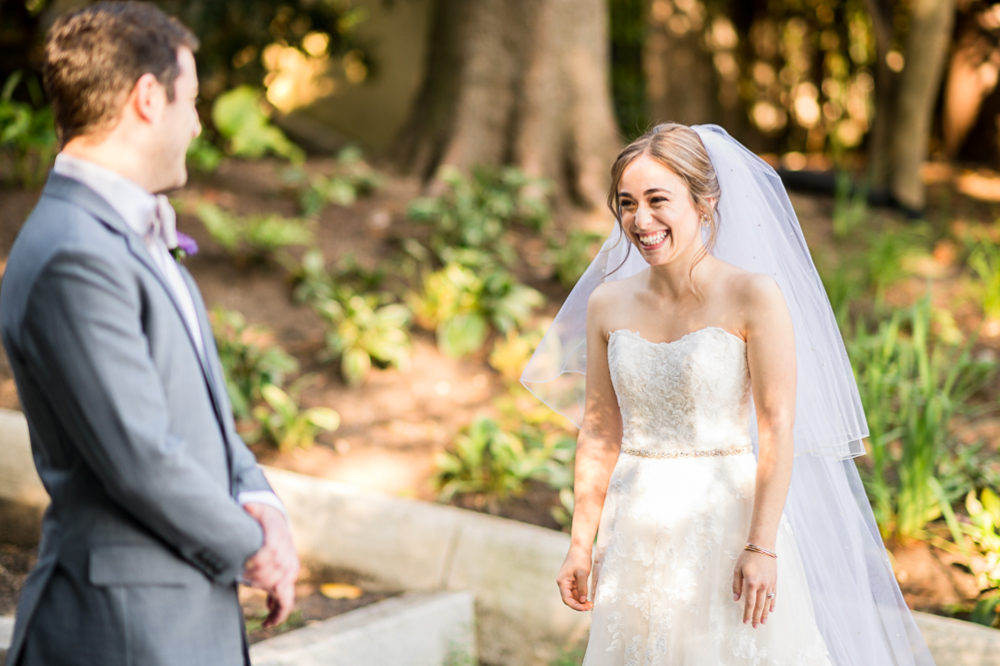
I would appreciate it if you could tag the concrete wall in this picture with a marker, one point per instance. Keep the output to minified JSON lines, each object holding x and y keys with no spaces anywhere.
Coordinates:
{"x":417,"y":629}
{"x":510,"y":567}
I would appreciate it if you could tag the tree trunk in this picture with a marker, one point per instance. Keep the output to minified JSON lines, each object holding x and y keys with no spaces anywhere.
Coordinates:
{"x":880,"y":142}
{"x":682,"y":84}
{"x":972,"y":76}
{"x":931,"y":24}
{"x":521,"y":82}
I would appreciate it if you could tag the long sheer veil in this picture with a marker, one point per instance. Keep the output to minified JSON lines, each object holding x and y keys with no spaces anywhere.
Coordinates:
{"x":859,"y":608}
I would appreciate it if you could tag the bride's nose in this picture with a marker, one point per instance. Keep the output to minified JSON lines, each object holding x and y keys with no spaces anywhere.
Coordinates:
{"x":643,"y":216}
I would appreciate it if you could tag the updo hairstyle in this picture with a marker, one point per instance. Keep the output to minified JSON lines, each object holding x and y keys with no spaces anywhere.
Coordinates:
{"x":679,"y":148}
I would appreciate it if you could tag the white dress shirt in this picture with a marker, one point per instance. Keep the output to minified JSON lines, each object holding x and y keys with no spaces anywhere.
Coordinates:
{"x":139,"y":209}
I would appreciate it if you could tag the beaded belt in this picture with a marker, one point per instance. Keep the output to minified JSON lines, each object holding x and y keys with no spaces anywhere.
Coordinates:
{"x":731,"y":451}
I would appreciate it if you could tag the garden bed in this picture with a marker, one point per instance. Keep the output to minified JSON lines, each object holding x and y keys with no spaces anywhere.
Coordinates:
{"x":394,"y":426}
{"x":321,"y":593}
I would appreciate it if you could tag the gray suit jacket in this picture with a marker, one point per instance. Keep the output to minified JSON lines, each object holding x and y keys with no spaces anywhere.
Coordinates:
{"x":133,"y":437}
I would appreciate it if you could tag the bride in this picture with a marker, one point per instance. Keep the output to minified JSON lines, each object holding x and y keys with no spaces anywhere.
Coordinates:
{"x":717,"y":426}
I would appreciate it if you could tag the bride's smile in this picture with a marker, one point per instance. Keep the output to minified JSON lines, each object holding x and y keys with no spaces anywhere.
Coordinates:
{"x":658,"y":213}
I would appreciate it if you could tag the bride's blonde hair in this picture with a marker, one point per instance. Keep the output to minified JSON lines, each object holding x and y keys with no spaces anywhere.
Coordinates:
{"x":679,"y":148}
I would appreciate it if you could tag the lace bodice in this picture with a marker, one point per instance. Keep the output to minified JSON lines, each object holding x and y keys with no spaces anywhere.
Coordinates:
{"x":690,"y":394}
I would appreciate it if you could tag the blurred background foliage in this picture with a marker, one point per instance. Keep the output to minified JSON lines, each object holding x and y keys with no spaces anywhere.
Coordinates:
{"x":838,"y":94}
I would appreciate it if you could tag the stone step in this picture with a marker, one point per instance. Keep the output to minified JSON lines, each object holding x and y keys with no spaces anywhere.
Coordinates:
{"x":6,"y":633}
{"x":416,"y":629}
{"x":957,"y":643}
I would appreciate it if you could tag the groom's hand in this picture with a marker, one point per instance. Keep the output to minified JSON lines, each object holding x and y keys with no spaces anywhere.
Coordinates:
{"x":275,"y":567}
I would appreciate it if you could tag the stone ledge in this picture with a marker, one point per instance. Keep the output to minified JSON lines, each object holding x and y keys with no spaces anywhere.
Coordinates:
{"x":509,"y":566}
{"x":417,"y":629}
{"x":957,"y":643}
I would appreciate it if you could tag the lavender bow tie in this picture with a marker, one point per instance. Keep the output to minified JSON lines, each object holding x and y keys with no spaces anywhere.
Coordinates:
{"x":163,"y":223}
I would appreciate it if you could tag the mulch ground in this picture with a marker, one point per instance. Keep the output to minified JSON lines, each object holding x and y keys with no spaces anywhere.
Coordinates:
{"x":393,"y":426}
{"x":311,"y":605}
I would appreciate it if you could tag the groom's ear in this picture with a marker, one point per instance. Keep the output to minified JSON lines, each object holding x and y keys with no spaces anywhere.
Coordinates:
{"x":148,"y":98}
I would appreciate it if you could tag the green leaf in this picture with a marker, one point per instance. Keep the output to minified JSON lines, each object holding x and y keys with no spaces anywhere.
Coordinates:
{"x":279,"y":401}
{"x":462,"y":334}
{"x":323,"y":417}
{"x":355,"y":364}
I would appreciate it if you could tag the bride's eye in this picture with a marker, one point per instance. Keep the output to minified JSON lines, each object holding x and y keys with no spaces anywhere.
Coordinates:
{"x":626,"y":205}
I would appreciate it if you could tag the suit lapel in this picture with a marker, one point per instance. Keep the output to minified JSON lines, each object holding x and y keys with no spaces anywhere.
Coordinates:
{"x":79,"y":194}
{"x":217,"y":382}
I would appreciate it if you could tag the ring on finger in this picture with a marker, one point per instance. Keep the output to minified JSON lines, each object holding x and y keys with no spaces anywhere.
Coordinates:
{"x":771,"y":596}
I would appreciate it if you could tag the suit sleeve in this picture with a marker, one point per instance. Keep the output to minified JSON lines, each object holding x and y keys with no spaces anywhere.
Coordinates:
{"x":83,"y":339}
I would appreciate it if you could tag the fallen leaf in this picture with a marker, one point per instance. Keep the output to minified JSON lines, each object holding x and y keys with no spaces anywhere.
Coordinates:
{"x":340,"y":591}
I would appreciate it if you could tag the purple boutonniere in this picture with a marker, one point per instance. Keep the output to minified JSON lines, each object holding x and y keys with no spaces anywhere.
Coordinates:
{"x":186,"y":247}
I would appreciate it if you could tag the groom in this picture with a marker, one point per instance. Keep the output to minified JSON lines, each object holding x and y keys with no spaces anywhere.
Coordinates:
{"x":158,"y":508}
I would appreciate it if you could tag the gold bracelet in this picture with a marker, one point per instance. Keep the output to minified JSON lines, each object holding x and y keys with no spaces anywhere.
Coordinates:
{"x":757,"y":549}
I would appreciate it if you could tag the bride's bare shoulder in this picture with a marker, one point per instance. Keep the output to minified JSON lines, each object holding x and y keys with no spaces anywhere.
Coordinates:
{"x":609,"y":293}
{"x":756,"y":295}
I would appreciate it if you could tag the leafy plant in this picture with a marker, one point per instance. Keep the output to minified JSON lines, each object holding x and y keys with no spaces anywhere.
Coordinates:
{"x":240,"y":118}
{"x":250,"y":359}
{"x":985,"y":262}
{"x":850,"y":206}
{"x":461,"y":305}
{"x":571,"y":257}
{"x":493,"y":463}
{"x":842,"y":288}
{"x":287,"y":425}
{"x":365,"y":328}
{"x":203,"y":156}
{"x":352,"y":178}
{"x":511,"y":353}
{"x":911,"y":387}
{"x":254,"y":235}
{"x":984,"y":530}
{"x":27,"y":132}
{"x":476,"y":213}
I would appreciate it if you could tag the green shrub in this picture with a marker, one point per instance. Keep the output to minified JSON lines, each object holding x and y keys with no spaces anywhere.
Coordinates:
{"x":27,"y":132}
{"x":365,"y":328}
{"x":984,"y":530}
{"x":203,"y":156}
{"x":250,"y":359}
{"x":255,"y":235}
{"x":352,"y":178}
{"x":850,"y":209}
{"x":512,"y":352}
{"x":475,"y":213}
{"x":573,"y":255}
{"x":287,"y":425}
{"x":240,"y":118}
{"x":461,"y":305}
{"x":495,"y":464}
{"x":911,"y":386}
{"x":985,"y":263}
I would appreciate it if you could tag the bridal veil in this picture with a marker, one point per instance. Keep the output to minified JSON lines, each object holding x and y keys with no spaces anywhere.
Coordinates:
{"x":858,"y":605}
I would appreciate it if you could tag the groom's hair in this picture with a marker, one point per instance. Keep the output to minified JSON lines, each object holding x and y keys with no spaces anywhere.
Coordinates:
{"x":94,"y":56}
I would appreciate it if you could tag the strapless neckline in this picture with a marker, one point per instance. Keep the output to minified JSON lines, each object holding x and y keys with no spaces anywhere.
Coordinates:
{"x":686,"y":336}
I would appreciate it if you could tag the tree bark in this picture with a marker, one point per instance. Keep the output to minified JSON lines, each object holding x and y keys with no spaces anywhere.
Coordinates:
{"x":520,"y":82}
{"x":880,"y":141}
{"x":682,"y":84}
{"x":931,"y":24}
{"x":972,"y":76}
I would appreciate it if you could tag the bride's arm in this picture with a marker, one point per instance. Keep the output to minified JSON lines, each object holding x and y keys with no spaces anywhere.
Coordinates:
{"x":771,"y":359}
{"x":597,"y":450}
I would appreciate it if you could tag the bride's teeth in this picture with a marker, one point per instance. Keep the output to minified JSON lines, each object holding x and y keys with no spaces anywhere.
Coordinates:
{"x":653,"y":239}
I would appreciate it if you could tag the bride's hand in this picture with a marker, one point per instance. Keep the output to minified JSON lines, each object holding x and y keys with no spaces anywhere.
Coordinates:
{"x":755,"y":577}
{"x":572,"y":579}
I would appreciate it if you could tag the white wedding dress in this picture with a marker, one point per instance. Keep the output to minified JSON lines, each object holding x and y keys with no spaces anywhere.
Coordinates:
{"x":677,"y":514}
